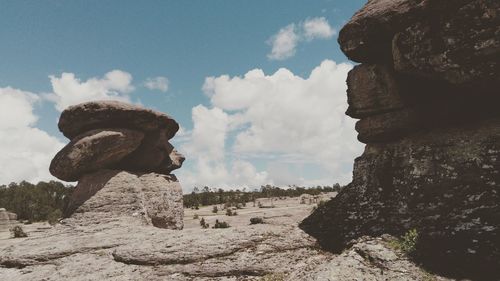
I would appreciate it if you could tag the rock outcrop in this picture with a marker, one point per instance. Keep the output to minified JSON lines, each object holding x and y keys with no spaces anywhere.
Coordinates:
{"x":7,"y":218}
{"x":122,"y":160}
{"x":427,"y":94}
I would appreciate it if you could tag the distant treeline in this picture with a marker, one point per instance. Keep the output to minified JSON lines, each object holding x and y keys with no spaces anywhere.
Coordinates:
{"x":35,"y":202}
{"x":210,"y":196}
{"x":47,"y":200}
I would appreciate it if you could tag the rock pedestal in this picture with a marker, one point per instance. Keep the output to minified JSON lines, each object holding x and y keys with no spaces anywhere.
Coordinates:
{"x":122,"y":160}
{"x":427,"y":95}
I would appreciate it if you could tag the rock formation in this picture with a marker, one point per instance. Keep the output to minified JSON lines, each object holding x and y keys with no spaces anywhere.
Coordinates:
{"x":427,"y":95}
{"x":120,"y":156}
{"x":6,"y":218}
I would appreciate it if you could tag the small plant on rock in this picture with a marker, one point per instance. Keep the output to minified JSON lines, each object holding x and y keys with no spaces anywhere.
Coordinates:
{"x":18,"y":232}
{"x":215,"y":210}
{"x":221,"y":224}
{"x":407,"y":243}
{"x":196,"y":216}
{"x":256,"y":220}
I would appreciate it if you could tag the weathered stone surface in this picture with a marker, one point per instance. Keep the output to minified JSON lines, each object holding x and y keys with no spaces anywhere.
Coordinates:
{"x":173,"y":162}
{"x":163,"y":200}
{"x":460,"y":45}
{"x":368,"y":35}
{"x":87,"y":116}
{"x":155,"y":154}
{"x":94,"y":150}
{"x":387,"y":126}
{"x":152,"y":152}
{"x":123,"y":250}
{"x":108,"y":195}
{"x":372,"y":89}
{"x":446,"y":184}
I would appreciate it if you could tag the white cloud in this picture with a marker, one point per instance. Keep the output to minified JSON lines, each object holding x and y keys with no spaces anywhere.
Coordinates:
{"x":317,"y":28}
{"x":25,"y":151}
{"x":69,"y":90}
{"x":284,"y":43}
{"x":282,"y":119}
{"x":158,"y":83}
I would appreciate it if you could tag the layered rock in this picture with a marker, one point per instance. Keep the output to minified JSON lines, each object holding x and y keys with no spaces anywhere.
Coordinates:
{"x":122,"y":160}
{"x":427,"y":95}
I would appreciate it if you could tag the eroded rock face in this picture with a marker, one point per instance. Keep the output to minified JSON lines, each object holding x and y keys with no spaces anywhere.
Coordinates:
{"x":427,"y":95}
{"x":87,"y":116}
{"x":123,"y":161}
{"x":92,"y":151}
{"x":109,"y":194}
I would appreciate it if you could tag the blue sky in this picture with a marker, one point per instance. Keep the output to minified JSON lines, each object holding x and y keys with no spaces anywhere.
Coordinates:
{"x":182,"y":41}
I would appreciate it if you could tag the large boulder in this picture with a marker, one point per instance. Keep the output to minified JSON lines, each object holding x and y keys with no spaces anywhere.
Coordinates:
{"x":108,"y":195}
{"x":427,"y":96}
{"x":87,"y":116}
{"x":94,"y":150}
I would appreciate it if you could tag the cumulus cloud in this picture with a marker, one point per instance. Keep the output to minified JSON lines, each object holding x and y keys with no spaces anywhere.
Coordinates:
{"x":158,"y":83}
{"x":69,"y":90}
{"x":282,"y":119}
{"x":317,"y":28}
{"x":284,"y":43}
{"x":25,"y":151}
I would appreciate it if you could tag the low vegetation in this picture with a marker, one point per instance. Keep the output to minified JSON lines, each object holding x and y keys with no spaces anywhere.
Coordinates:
{"x":203,"y":223}
{"x":18,"y":232}
{"x":221,"y":224}
{"x":256,"y":220}
{"x":407,"y":243}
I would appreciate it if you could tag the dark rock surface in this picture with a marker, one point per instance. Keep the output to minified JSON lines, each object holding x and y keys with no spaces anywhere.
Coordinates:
{"x":92,"y":151}
{"x":427,"y":95}
{"x":87,"y":116}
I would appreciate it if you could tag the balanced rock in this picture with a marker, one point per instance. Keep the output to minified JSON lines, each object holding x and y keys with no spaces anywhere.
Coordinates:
{"x":94,"y":150}
{"x":427,"y":95}
{"x":122,"y":160}
{"x":87,"y":116}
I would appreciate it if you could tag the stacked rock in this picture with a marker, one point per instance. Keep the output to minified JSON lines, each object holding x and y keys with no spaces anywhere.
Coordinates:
{"x":427,"y":95}
{"x":120,"y":156}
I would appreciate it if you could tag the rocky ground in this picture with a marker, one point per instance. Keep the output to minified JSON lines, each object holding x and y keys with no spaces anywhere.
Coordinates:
{"x":120,"y":250}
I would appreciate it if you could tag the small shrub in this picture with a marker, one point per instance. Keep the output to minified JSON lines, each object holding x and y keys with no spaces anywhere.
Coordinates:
{"x":18,"y":232}
{"x":256,"y":220}
{"x":215,"y":210}
{"x":54,"y":217}
{"x":407,"y":243}
{"x":203,"y":223}
{"x":221,"y":224}
{"x":196,"y":216}
{"x":231,"y":213}
{"x":239,"y":206}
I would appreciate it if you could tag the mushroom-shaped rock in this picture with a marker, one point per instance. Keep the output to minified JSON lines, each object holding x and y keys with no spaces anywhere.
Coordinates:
{"x":94,"y":150}
{"x":87,"y":116}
